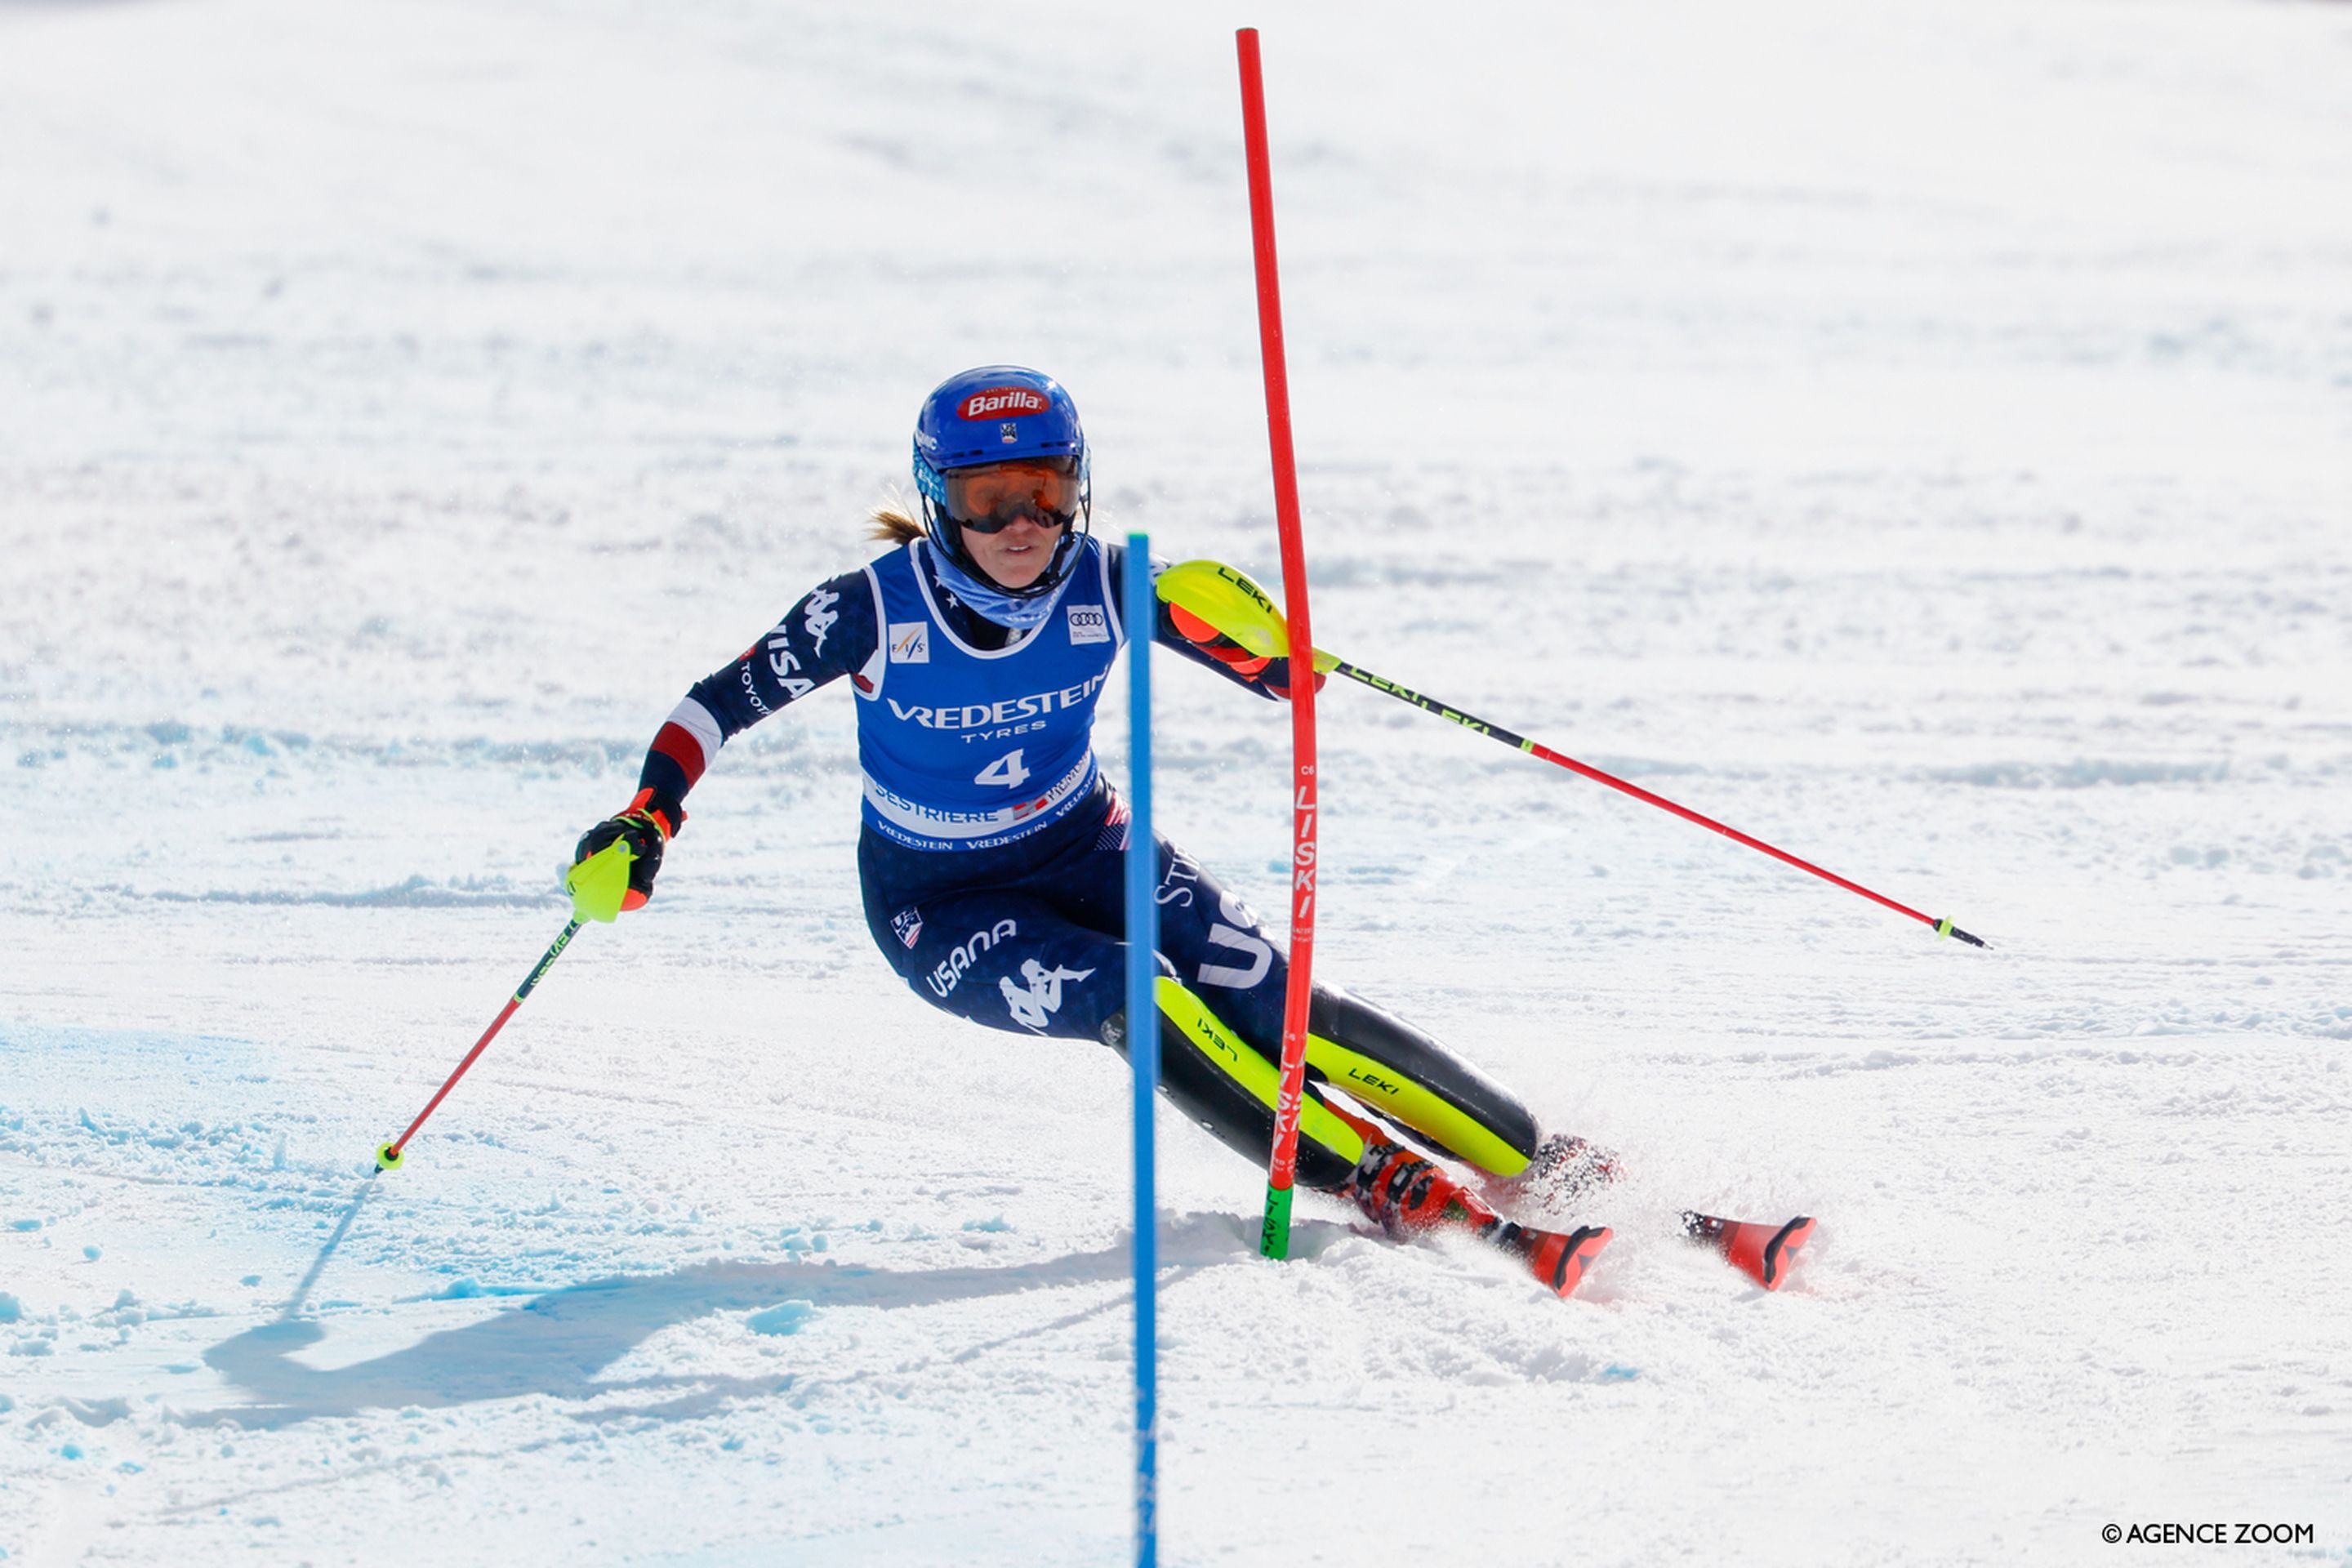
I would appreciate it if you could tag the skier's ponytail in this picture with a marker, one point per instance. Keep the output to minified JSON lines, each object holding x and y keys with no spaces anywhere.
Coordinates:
{"x":891,"y":524}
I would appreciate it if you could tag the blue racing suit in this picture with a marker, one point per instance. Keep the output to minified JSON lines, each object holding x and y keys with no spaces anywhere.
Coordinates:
{"x":991,"y":859}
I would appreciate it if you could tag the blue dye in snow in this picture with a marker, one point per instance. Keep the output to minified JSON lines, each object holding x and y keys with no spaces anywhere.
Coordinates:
{"x":786,"y":1319}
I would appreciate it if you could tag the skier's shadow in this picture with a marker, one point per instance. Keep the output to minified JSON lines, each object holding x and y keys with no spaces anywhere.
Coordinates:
{"x":557,"y":1343}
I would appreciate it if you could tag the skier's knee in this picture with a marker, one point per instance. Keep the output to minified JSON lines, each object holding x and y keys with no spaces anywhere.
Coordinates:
{"x":1410,"y":1078}
{"x":1227,"y":1085}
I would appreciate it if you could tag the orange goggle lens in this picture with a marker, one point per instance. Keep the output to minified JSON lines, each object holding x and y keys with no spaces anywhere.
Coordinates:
{"x":989,"y":499}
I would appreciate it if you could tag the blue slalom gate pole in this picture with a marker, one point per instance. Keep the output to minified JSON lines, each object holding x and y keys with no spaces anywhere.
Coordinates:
{"x":1141,"y":614}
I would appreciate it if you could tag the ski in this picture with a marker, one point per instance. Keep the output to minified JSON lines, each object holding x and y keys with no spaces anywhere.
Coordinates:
{"x":1406,"y":1193}
{"x":1558,"y":1259}
{"x":1758,"y":1249}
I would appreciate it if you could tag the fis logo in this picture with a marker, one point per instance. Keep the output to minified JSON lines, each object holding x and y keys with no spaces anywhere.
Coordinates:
{"x":1089,"y":624}
{"x":1002,"y":402}
{"x":911,"y":642}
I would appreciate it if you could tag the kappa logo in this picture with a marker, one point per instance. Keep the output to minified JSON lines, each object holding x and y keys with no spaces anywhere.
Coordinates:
{"x":821,"y":616}
{"x":911,"y":642}
{"x":1089,"y":623}
{"x":908,"y":924}
{"x":1033,"y":1007}
{"x":1002,"y":402}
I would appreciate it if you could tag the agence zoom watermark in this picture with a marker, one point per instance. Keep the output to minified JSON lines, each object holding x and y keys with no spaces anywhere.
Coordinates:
{"x":2178,"y":1534}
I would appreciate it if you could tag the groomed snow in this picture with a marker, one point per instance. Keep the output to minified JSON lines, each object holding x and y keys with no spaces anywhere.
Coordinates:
{"x":1919,"y":435}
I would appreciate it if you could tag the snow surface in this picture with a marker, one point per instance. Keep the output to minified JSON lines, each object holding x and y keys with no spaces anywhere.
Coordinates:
{"x":1918,"y":434}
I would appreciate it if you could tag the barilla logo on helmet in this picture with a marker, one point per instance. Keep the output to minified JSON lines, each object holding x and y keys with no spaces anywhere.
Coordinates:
{"x":1002,"y":402}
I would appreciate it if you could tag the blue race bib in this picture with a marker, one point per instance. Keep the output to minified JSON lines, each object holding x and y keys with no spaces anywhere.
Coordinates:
{"x":966,"y":749}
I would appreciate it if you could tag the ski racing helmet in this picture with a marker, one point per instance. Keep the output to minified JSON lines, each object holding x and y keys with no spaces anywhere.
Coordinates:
{"x":998,"y":414}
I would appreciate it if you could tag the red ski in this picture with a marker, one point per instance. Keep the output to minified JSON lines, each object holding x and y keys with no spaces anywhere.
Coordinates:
{"x":1761,"y":1250}
{"x":1406,"y":1193}
{"x":1558,"y":1260}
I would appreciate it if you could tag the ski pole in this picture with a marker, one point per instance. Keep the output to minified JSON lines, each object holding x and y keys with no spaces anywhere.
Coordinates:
{"x":1239,"y":608}
{"x":596,"y":885}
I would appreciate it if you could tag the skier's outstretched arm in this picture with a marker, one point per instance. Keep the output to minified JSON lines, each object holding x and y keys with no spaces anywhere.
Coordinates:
{"x":830,"y":632}
{"x":1185,"y":633}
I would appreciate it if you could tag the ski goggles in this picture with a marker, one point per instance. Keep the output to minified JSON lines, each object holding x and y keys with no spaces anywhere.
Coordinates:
{"x":992,"y":498}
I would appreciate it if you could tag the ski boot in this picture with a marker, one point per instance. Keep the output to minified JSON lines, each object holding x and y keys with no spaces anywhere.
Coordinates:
{"x":1406,"y":1194}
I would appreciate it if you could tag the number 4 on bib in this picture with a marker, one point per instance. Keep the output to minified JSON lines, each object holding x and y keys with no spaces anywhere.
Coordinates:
{"x":1006,"y":771}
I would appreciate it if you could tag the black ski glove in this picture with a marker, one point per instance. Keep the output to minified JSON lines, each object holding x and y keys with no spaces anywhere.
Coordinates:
{"x":644,"y":826}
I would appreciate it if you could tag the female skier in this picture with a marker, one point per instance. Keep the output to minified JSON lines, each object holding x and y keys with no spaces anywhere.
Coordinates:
{"x":991,"y":855}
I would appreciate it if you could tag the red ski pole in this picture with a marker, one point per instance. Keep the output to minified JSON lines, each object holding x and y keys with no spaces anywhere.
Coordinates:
{"x":388,"y":1156}
{"x":1229,"y":601}
{"x":1328,"y":664}
{"x":1274,"y":1236}
{"x":597,"y":885}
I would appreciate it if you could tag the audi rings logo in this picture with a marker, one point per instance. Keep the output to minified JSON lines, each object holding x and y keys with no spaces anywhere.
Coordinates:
{"x":1002,"y":402}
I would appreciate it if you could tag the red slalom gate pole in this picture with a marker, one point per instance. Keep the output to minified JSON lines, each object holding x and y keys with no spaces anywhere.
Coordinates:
{"x":1274,"y":1236}
{"x":388,"y":1156}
